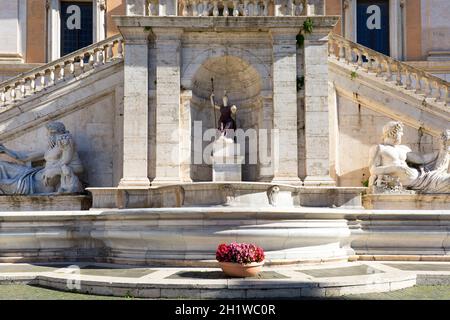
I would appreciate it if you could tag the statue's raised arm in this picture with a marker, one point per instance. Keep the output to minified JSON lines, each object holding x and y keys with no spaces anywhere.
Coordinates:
{"x":213,"y":103}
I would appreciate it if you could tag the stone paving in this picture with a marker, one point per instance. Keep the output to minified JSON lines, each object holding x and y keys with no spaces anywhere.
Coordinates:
{"x":322,"y":280}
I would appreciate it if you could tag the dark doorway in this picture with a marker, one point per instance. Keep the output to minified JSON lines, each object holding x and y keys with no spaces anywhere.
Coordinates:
{"x":373,"y":24}
{"x":76,"y":26}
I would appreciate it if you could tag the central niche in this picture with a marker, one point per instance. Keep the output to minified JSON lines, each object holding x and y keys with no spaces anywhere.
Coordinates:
{"x":243,"y":85}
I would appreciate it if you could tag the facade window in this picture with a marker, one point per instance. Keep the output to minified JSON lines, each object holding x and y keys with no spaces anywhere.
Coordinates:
{"x":76,"y":26}
{"x":373,"y":24}
{"x":72,"y":25}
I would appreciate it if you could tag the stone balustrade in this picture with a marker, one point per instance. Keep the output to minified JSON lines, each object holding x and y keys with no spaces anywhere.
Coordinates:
{"x":72,"y":65}
{"x":400,"y":73}
{"x":202,"y":8}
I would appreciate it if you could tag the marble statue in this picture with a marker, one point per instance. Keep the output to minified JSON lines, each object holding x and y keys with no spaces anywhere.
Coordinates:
{"x":394,"y":167}
{"x":58,"y":175}
{"x":226,"y":121}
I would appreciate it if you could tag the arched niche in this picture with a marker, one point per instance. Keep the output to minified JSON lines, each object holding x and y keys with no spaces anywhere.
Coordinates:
{"x":243,"y":85}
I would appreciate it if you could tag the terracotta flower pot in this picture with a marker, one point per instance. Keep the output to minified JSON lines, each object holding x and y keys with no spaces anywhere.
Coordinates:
{"x":234,"y":269}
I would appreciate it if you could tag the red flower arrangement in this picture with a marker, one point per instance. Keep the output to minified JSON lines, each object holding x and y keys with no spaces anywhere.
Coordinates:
{"x":242,"y":253}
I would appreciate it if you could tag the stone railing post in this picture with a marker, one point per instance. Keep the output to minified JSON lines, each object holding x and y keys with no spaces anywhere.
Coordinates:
{"x":135,"y":118}
{"x":168,"y":157}
{"x":284,"y":153}
{"x":317,"y":135}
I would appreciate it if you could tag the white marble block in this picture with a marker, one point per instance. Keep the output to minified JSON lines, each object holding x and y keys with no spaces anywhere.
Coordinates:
{"x":226,"y":160}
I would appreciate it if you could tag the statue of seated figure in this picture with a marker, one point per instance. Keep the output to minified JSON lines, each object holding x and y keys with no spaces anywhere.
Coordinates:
{"x":59,"y":175}
{"x":394,"y":167}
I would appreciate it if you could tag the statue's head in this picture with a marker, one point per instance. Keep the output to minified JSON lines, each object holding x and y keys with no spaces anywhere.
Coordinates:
{"x":225,"y":98}
{"x":393,"y":132}
{"x":55,"y":127}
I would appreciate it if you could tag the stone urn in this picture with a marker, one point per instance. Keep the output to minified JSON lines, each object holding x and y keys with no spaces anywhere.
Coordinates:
{"x":234,"y":269}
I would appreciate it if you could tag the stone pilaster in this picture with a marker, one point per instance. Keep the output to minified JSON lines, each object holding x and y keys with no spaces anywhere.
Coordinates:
{"x":317,"y":132}
{"x":168,"y":149}
{"x":284,"y":152}
{"x":135,"y":117}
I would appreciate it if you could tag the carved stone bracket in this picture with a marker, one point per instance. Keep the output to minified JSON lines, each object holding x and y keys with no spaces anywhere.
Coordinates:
{"x":272,"y":195}
{"x":228,"y":194}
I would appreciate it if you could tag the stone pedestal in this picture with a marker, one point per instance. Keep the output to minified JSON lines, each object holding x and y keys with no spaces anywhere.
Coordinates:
{"x":226,"y":161}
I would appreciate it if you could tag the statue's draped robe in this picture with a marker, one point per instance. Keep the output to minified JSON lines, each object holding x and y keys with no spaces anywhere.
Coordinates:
{"x":436,"y":180}
{"x":226,"y":119}
{"x":17,"y":179}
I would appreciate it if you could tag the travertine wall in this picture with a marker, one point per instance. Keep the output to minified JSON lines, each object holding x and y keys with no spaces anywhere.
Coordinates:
{"x":359,"y":129}
{"x":435,"y":26}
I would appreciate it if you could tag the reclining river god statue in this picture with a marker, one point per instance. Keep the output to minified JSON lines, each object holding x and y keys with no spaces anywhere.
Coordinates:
{"x":58,"y":175}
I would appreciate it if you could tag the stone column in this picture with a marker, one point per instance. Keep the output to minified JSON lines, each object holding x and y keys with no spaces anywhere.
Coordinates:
{"x":284,"y":153}
{"x":168,"y":159}
{"x":317,"y":132}
{"x":135,"y":117}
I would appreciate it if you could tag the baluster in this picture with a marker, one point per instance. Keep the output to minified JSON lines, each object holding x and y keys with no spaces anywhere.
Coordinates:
{"x":110,"y":52}
{"x":388,"y":71}
{"x":72,"y":67}
{"x":347,"y":54}
{"x":290,"y":7}
{"x":445,"y":95}
{"x":82,"y":63}
{"x":428,"y":88}
{"x":3,"y":97}
{"x":226,"y":13}
{"x":195,"y":8}
{"x":369,"y":63}
{"x":256,"y":8}
{"x":437,"y":90}
{"x":246,"y":8}
{"x":408,"y":80}
{"x":33,"y":84}
{"x":23,"y":89}
{"x":205,"y":12}
{"x":62,"y":72}
{"x":13,"y":93}
{"x":120,"y":49}
{"x":266,"y":8}
{"x":235,"y":8}
{"x":215,"y":8}
{"x":331,"y":48}
{"x":91,"y":59}
{"x":185,"y":11}
{"x":359,"y":57}
{"x":341,"y":50}
{"x":379,"y":68}
{"x":297,"y":8}
{"x":398,"y":77}
{"x":52,"y":77}
{"x":42,"y":80}
{"x":418,"y":86}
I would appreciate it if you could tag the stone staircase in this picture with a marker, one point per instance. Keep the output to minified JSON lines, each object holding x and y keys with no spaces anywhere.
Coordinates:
{"x":388,"y":86}
{"x":58,"y":88}
{"x":73,"y":66}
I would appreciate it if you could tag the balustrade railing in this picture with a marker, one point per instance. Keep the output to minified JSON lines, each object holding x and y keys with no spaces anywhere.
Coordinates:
{"x":69,"y":66}
{"x":401,"y":73}
{"x":203,"y":8}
